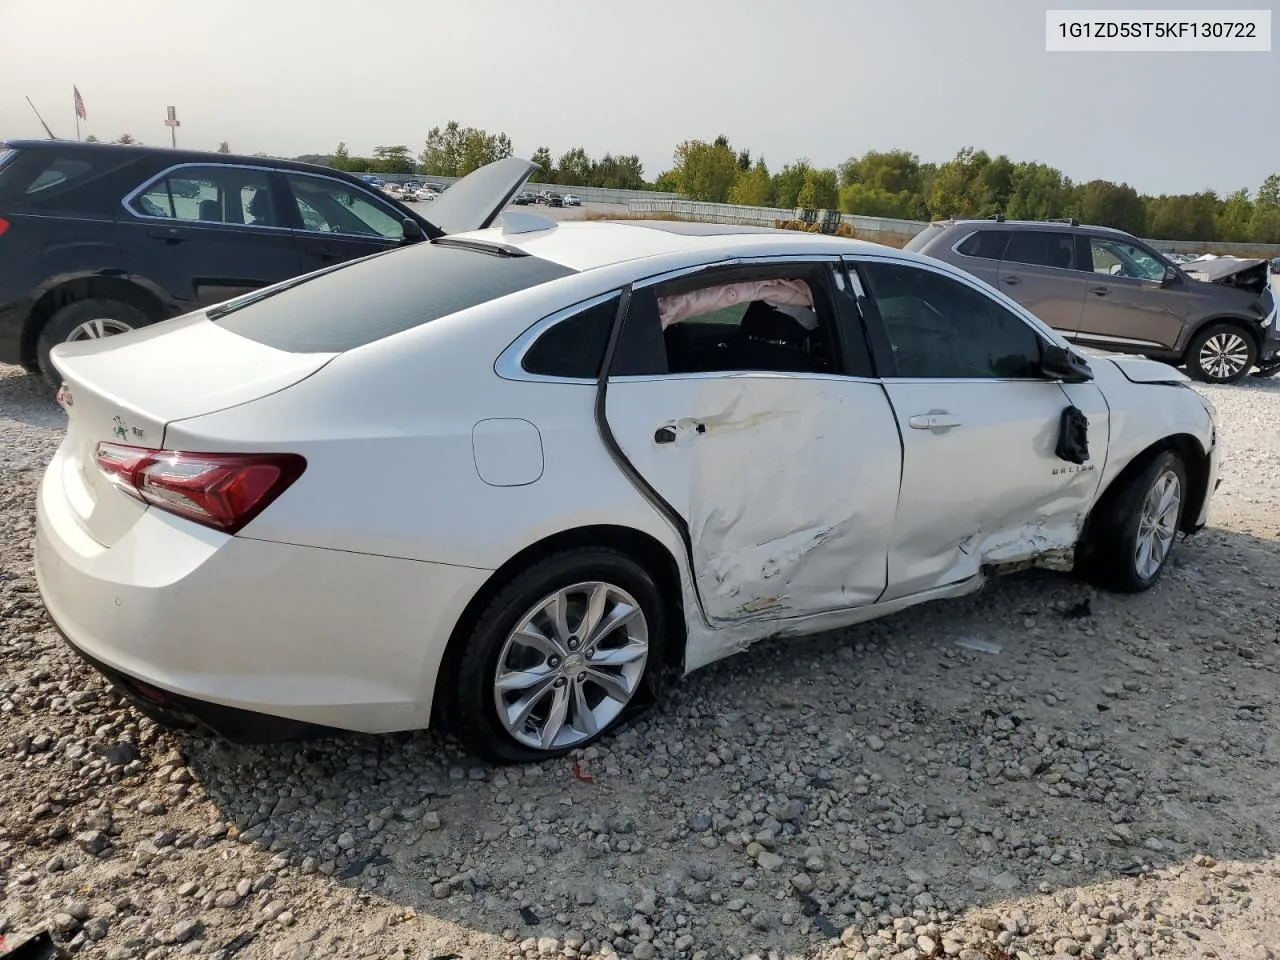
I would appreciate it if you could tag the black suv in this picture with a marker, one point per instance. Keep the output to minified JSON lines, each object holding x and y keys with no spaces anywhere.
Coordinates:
{"x":97,"y":239}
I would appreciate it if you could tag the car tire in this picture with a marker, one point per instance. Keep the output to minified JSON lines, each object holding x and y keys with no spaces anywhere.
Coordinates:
{"x":1133,"y":517}
{"x":84,"y":320}
{"x":498,"y":663}
{"x":1221,"y":353}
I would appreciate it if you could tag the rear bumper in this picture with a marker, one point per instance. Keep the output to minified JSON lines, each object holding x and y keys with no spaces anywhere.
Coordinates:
{"x":248,"y":637}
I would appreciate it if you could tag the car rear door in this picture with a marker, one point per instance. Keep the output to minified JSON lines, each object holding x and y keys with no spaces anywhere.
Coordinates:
{"x":782,"y":466}
{"x":1040,"y":270}
{"x":207,"y":232}
{"x":980,"y":479}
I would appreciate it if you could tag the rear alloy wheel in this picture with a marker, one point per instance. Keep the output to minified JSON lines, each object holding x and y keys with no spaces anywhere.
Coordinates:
{"x":1221,"y":353}
{"x":557,"y":658}
{"x":1135,"y":530}
{"x":84,"y":320}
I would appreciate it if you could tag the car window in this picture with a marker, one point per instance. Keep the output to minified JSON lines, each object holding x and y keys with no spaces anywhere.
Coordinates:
{"x":374,"y":297}
{"x":1042,"y":248}
{"x":987,"y":244}
{"x":1120,"y":259}
{"x":573,"y":347}
{"x":937,"y":327}
{"x":765,"y":320}
{"x":58,"y":172}
{"x":212,"y":194}
{"x":330,"y":206}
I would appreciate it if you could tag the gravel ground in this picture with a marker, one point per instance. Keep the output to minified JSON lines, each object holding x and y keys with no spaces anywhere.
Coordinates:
{"x":1105,"y":785}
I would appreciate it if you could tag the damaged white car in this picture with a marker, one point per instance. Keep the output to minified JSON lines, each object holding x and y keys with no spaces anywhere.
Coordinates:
{"x":513,"y":478}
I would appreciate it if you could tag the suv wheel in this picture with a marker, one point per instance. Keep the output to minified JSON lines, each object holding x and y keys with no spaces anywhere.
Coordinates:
{"x":1221,"y":353}
{"x":84,"y":320}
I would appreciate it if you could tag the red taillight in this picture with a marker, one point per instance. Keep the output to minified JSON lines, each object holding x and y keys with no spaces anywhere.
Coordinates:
{"x":4,"y":225}
{"x":220,"y":490}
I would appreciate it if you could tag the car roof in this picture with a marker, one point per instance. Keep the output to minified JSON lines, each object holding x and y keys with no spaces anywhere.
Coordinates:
{"x":589,"y":244}
{"x":174,"y":156}
{"x":1056,"y":225}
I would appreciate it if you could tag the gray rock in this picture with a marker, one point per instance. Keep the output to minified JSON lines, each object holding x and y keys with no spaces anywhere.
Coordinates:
{"x":92,"y":841}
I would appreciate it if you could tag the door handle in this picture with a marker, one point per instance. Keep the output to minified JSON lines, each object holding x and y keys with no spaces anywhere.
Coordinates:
{"x":1012,"y":281}
{"x":1100,"y":291}
{"x":940,"y":420}
{"x":320,"y":250}
{"x":168,"y":236}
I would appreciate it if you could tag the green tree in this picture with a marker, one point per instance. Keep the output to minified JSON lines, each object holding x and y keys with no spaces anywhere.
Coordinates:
{"x":820,"y":191}
{"x":396,"y":159}
{"x":126,"y":138}
{"x":1264,"y":224}
{"x":1108,"y":204}
{"x":1188,"y":216}
{"x":624,"y":172}
{"x":224,"y":147}
{"x":340,"y":159}
{"x":1234,"y":217}
{"x":753,"y":188}
{"x":575,"y":168}
{"x":962,"y":187}
{"x":1037,"y":192}
{"x":455,"y":150}
{"x":542,"y":157}
{"x":893,"y":171}
{"x":91,"y":139}
{"x":744,"y":160}
{"x":788,"y":183}
{"x":875,"y":202}
{"x":668,"y":182}
{"x":706,"y":171}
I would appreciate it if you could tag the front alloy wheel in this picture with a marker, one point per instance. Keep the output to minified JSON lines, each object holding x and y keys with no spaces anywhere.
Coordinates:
{"x":1157,"y":525}
{"x":1221,"y":354}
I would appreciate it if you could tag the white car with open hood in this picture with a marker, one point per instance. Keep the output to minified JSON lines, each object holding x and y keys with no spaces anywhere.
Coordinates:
{"x":515,"y":477}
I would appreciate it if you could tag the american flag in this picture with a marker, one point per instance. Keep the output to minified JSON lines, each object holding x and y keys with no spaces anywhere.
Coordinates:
{"x":79,"y":104}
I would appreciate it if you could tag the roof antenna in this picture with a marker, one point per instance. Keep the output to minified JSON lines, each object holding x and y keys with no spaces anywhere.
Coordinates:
{"x":41,"y":119}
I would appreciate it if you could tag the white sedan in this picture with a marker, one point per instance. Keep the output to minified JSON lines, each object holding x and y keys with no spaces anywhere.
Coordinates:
{"x":572,"y":200}
{"x":513,"y":478}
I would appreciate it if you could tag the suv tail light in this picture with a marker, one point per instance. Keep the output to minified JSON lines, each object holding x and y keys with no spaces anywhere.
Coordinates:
{"x":4,"y":225}
{"x":219,"y":490}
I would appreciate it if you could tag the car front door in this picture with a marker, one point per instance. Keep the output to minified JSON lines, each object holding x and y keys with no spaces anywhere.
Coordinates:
{"x":981,"y":483}
{"x":1128,"y":306}
{"x":1040,"y":270}
{"x":763,"y":432}
{"x":208,"y":232}
{"x":338,"y":221}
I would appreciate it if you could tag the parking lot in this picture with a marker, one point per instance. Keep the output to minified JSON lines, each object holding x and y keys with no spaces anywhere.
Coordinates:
{"x":1039,"y":769}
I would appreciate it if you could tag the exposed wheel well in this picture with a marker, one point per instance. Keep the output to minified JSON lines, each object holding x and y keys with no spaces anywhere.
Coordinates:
{"x":1193,"y":457}
{"x":640,"y":547}
{"x":85,"y":288}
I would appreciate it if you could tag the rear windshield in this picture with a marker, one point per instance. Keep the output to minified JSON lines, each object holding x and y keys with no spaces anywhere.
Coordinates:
{"x":924,"y":236}
{"x":382,"y":295}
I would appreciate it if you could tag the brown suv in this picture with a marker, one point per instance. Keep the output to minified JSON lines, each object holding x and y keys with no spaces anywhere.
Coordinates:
{"x":1107,"y":289}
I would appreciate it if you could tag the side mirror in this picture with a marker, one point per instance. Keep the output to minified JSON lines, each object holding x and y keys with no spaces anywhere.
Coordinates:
{"x":412,"y":230}
{"x":1063,"y":363}
{"x":1170,"y":276}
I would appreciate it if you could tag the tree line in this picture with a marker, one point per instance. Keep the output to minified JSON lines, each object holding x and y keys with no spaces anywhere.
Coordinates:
{"x":892,"y":183}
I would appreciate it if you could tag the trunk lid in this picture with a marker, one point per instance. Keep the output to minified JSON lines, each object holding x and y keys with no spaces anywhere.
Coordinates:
{"x":475,"y":201}
{"x":127,"y":389}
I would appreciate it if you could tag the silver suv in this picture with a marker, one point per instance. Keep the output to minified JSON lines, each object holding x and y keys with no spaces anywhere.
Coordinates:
{"x":1107,"y":289}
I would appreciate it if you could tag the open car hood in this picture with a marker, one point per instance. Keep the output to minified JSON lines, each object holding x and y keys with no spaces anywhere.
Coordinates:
{"x":475,"y":201}
{"x":1246,"y":274}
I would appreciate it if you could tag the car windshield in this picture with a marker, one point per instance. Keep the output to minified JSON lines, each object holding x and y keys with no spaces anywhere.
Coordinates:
{"x":924,"y":236}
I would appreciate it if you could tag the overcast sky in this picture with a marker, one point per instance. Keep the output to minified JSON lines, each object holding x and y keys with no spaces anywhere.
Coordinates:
{"x":824,"y":79}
